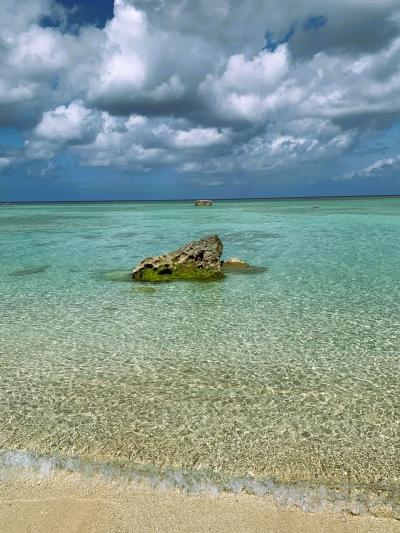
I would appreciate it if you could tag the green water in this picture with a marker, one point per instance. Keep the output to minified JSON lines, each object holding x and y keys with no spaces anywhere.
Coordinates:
{"x":290,"y":374}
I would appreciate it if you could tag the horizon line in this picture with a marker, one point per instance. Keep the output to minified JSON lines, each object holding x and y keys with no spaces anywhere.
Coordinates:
{"x":317,"y":197}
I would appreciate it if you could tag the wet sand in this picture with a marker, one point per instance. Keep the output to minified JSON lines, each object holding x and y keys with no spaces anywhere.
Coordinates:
{"x":68,"y":503}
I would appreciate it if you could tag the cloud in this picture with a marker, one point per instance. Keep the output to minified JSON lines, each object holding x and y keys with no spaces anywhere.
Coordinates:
{"x":381,"y":167}
{"x":246,"y":89}
{"x":37,"y":52}
{"x":126,"y":143}
{"x":15,"y":93}
{"x":41,"y":66}
{"x":72,"y":123}
{"x":146,"y":68}
{"x":209,"y":87}
{"x":4,"y":163}
{"x":141,"y":144}
{"x":122,"y":69}
{"x":192,"y":138}
{"x":327,"y":86}
{"x":64,"y":125}
{"x":199,"y":138}
{"x":300,"y":142}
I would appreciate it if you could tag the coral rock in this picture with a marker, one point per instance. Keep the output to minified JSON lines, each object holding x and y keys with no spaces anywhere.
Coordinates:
{"x":197,"y":260}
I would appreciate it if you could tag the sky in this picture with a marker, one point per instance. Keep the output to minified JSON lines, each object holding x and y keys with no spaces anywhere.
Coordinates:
{"x":164,"y":99}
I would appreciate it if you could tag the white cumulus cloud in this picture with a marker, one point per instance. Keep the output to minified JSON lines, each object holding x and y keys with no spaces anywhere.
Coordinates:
{"x":202,"y":87}
{"x":378,"y":168}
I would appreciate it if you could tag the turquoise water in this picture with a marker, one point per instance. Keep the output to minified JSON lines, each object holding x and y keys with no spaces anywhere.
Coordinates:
{"x":290,"y":374}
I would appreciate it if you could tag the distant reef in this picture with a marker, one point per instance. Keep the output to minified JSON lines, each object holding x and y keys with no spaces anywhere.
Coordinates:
{"x":203,"y":203}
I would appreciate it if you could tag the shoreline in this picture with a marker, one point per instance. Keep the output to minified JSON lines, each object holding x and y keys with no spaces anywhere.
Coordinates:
{"x":358,"y":500}
{"x":68,"y":502}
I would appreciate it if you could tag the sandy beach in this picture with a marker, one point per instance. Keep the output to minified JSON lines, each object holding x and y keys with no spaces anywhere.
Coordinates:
{"x":70,"y":503}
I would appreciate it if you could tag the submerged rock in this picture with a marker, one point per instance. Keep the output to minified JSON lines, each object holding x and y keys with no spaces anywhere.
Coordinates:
{"x":29,"y":270}
{"x":235,"y":262}
{"x":203,"y":203}
{"x":146,"y":290}
{"x":197,"y":260}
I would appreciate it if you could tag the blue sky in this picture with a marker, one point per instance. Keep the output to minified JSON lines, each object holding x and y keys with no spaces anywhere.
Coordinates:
{"x":138,"y":99}
{"x":95,"y":12}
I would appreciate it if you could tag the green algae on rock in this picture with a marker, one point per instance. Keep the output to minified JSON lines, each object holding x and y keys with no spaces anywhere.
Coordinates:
{"x":198,"y":260}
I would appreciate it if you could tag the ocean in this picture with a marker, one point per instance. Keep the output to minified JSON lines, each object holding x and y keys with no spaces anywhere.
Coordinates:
{"x":283,"y":381}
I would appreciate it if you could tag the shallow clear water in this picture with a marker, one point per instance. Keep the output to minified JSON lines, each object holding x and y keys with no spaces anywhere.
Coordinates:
{"x":289,"y":374}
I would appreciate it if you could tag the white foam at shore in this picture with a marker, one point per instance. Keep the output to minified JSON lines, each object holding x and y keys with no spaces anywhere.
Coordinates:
{"x":358,"y":500}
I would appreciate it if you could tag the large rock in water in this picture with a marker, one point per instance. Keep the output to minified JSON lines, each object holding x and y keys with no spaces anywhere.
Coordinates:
{"x":197,"y":260}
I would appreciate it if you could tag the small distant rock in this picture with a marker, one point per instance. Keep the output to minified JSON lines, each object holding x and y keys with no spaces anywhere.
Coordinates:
{"x":235,"y":262}
{"x":203,"y":203}
{"x":197,"y":260}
